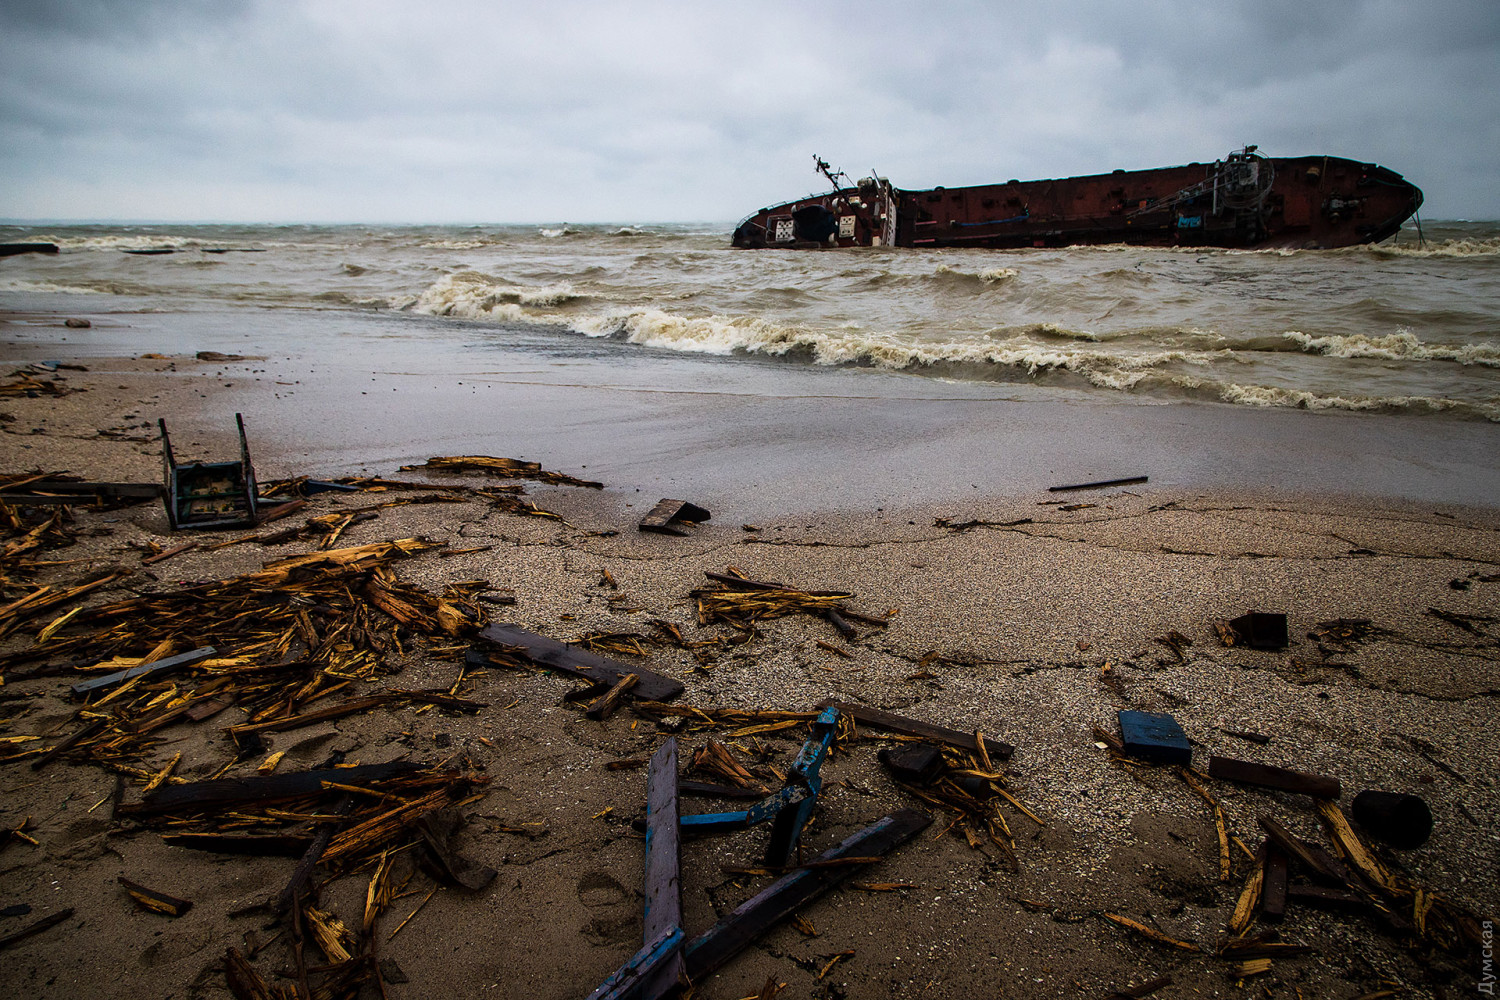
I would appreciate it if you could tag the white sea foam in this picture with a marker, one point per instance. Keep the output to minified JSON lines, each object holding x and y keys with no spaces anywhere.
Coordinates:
{"x":566,"y":230}
{"x":1401,"y":346}
{"x":471,"y":295}
{"x":1261,"y":395}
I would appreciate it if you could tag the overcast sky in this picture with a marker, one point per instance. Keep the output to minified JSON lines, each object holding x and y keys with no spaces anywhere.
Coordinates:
{"x":457,"y":111}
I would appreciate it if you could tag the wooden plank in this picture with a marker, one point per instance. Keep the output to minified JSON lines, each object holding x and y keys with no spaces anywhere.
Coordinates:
{"x":36,"y":927}
{"x":160,"y":667}
{"x":92,"y":729}
{"x":709,"y":790}
{"x":663,"y":863}
{"x":228,"y":843}
{"x":311,"y":718}
{"x":710,"y":950}
{"x":1319,"y":786}
{"x":1273,"y":889}
{"x":206,"y":796}
{"x":877,"y":719}
{"x":583,"y":663}
{"x":153,"y":899}
{"x":659,"y":519}
{"x":1101,"y":484}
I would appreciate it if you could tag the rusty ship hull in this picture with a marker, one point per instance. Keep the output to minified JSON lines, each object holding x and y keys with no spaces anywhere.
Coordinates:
{"x":1246,"y":201}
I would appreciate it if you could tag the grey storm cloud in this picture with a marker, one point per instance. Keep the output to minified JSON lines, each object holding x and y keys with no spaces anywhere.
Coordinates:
{"x":335,"y":110}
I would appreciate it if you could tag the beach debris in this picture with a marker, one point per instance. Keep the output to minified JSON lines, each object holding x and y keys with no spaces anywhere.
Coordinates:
{"x":917,"y":763}
{"x":658,"y":966}
{"x":1401,"y":820}
{"x":35,"y":927}
{"x":209,"y":494}
{"x":29,"y":385}
{"x":1274,"y":884}
{"x":148,"y":668}
{"x":740,"y":602}
{"x":606,"y":704}
{"x":710,"y":950}
{"x":438,"y":830}
{"x":572,"y":660}
{"x":1099,"y":485}
{"x":1149,"y":933}
{"x":1154,"y":737}
{"x":151,"y":899}
{"x":1319,"y":786}
{"x":70,"y":490}
{"x":498,"y":468}
{"x":1260,"y":739}
{"x":790,"y":807}
{"x":1137,"y":992}
{"x":890,"y":722}
{"x":216,"y":356}
{"x":1256,"y":629}
{"x":668,"y":512}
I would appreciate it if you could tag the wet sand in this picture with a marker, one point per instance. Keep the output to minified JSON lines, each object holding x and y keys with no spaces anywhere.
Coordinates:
{"x":1041,"y":630}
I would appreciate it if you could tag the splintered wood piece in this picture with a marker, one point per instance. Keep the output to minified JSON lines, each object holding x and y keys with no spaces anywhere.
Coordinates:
{"x":1352,"y":848}
{"x":94,"y":728}
{"x":1244,"y":909}
{"x":1099,"y":485}
{"x":581,"y":663}
{"x":1300,"y":852}
{"x":717,"y":945}
{"x":659,"y":519}
{"x":151,"y":899}
{"x":604,"y":706}
{"x":210,"y":796}
{"x":349,"y":707}
{"x":1147,"y":932}
{"x":1319,"y":786}
{"x":877,"y":719}
{"x":1141,"y":991}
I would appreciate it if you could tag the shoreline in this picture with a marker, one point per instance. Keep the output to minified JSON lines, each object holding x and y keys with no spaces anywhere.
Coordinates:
{"x":1031,"y":632}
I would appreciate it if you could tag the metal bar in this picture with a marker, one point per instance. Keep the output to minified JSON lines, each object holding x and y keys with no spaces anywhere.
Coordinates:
{"x":710,"y":950}
{"x":160,"y":666}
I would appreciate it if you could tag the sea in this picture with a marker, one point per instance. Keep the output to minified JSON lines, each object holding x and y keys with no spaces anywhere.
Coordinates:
{"x":1409,"y":327}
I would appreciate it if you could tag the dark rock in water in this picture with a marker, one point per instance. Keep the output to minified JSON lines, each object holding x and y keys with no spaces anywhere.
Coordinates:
{"x":216,"y":356}
{"x":77,"y":324}
{"x":153,"y":252}
{"x":11,"y":249}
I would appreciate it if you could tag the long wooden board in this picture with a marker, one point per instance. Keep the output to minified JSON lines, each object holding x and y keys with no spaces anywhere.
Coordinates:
{"x":572,"y":660}
{"x":877,"y":719}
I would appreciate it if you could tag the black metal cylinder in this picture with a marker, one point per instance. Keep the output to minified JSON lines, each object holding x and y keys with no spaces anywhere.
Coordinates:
{"x":1400,"y":820}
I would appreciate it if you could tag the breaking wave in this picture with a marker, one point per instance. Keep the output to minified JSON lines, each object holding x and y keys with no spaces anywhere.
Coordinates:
{"x":1402,"y":346}
{"x":470,"y":295}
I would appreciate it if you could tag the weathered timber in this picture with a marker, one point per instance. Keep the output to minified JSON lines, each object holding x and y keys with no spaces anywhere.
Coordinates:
{"x":1099,"y":485}
{"x":349,"y":707}
{"x":94,"y":728}
{"x":663,"y":863}
{"x":839,"y":622}
{"x":578,"y":662}
{"x":710,"y":790}
{"x":1319,"y":786}
{"x":1273,"y":889}
{"x":877,"y":719}
{"x":1154,"y":737}
{"x":744,"y":584}
{"x":155,"y":900}
{"x":309,"y":861}
{"x":659,"y":519}
{"x":52,"y":491}
{"x":36,"y":927}
{"x":710,"y":950}
{"x":207,"y":796}
{"x":1259,"y":739}
{"x":920,"y":763}
{"x":605,"y":705}
{"x":274,"y":846}
{"x":1300,"y":852}
{"x":1325,"y":897}
{"x":159,"y":668}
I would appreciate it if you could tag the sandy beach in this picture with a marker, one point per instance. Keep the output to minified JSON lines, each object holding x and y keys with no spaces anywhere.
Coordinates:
{"x":1028,"y":616}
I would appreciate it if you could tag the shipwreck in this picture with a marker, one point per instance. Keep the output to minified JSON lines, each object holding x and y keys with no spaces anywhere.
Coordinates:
{"x":1247,"y":200}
